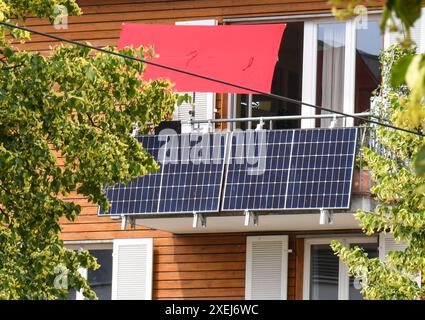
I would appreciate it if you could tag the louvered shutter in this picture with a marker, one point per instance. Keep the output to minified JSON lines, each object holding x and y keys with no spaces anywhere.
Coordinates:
{"x":387,"y":243}
{"x":132,"y":269}
{"x":417,"y":33}
{"x":266,"y":268}
{"x":204,"y":102}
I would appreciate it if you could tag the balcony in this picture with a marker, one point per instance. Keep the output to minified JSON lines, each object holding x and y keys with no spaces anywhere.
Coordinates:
{"x":221,"y":210}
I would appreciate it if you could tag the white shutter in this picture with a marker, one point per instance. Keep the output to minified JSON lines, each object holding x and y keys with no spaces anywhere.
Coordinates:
{"x":387,"y":243}
{"x":417,"y":33}
{"x":421,"y":42}
{"x":132,"y":269}
{"x":204,"y":102}
{"x":204,"y":108}
{"x":266,"y":268}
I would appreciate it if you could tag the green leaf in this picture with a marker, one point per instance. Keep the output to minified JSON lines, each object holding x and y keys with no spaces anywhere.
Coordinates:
{"x":184,"y":98}
{"x":408,"y":11}
{"x":399,"y":70}
{"x":90,"y":74}
{"x":420,"y":162}
{"x":8,"y":52}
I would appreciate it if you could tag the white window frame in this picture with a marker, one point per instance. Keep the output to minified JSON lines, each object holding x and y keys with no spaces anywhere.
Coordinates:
{"x":310,"y":67}
{"x":343,"y":278}
{"x":88,"y":245}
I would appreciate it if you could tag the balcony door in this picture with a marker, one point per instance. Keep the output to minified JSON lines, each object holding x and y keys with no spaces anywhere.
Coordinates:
{"x":287,"y":81}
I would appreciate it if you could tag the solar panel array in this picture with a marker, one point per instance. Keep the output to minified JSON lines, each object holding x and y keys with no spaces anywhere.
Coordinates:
{"x":262,"y":170}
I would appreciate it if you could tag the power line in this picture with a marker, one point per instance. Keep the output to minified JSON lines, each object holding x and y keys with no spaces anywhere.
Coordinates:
{"x":270,"y":95}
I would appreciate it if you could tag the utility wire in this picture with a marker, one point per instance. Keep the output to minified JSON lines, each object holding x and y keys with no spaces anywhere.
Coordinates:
{"x":270,"y":95}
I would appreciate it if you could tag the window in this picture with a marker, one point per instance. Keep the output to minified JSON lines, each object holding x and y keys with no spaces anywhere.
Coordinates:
{"x":126,"y":268}
{"x":100,"y":280}
{"x":323,"y":273}
{"x":353,"y":287}
{"x":368,"y":74}
{"x":325,"y":276}
{"x":287,"y":81}
{"x":330,"y":68}
{"x":341,"y":67}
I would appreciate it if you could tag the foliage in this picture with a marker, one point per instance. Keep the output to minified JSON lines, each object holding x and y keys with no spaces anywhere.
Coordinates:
{"x":401,"y":208}
{"x":398,"y":170}
{"x":81,"y":105}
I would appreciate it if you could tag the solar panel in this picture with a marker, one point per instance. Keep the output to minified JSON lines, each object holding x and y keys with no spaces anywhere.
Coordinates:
{"x":258,"y":170}
{"x":290,"y":169}
{"x":193,"y":183}
{"x":322,"y":164}
{"x":190,"y":179}
{"x":141,"y":195}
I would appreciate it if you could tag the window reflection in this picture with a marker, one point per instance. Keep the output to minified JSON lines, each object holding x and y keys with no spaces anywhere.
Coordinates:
{"x":369,"y":43}
{"x":354,"y":286}
{"x":324,"y":269}
{"x":100,"y":280}
{"x":287,"y":82}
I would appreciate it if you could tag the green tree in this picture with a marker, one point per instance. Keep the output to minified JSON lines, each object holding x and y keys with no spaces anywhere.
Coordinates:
{"x":401,"y":206}
{"x":398,"y":172}
{"x":77,"y":103}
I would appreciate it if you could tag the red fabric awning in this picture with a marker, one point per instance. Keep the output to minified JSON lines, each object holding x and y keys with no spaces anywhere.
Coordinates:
{"x":242,"y":54}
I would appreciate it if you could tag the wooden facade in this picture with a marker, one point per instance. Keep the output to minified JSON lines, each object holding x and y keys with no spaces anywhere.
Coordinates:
{"x":185,"y":266}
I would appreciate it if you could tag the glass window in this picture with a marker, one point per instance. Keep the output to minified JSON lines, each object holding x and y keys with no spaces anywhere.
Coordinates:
{"x":354,"y":285}
{"x":324,"y":271}
{"x":287,"y":81}
{"x":100,"y":280}
{"x":72,"y":294}
{"x":330,"y":69}
{"x":369,"y":43}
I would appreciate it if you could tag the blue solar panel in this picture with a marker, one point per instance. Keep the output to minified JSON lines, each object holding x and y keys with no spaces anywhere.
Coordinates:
{"x":258,"y":170}
{"x":290,"y":169}
{"x":141,"y":194}
{"x":321,"y":171}
{"x":193,"y":183}
{"x":190,"y":179}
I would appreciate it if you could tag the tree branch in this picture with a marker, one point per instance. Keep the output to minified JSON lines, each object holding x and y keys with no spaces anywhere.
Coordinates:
{"x":13,"y":67}
{"x":92,"y":122}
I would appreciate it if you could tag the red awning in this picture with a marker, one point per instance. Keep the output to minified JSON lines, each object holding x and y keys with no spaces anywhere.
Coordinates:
{"x":241,"y":54}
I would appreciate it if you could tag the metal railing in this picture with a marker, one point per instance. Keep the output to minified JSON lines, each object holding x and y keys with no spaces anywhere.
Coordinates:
{"x":271,"y":119}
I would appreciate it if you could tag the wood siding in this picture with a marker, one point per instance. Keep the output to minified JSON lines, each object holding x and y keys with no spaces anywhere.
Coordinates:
{"x":101,"y":20}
